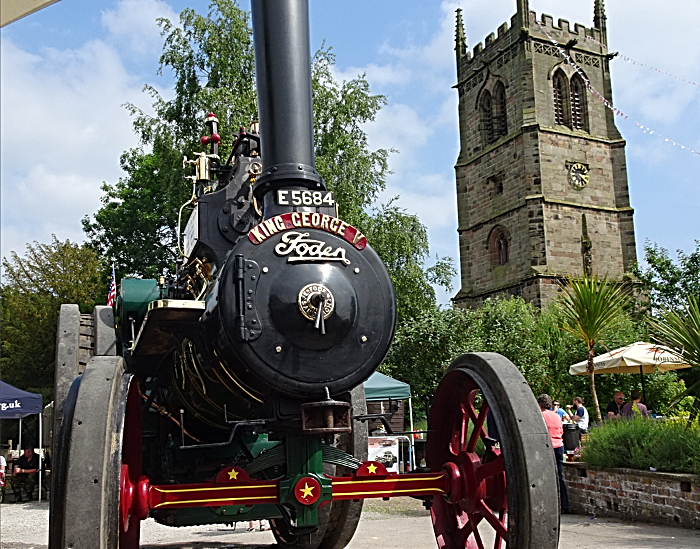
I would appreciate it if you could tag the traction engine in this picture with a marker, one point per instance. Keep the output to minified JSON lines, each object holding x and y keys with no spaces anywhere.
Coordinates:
{"x":235,"y":393}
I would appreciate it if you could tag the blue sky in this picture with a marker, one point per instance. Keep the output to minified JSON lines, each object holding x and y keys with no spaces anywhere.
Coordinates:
{"x":67,"y":70}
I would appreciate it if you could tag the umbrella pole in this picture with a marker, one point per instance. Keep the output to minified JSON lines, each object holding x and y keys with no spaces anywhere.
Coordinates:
{"x":644,"y":390}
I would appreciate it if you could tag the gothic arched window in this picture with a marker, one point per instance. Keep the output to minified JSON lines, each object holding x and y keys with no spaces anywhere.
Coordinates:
{"x":561,"y":99}
{"x":500,"y":116}
{"x":499,"y":246}
{"x":487,"y":129}
{"x":579,"y":112}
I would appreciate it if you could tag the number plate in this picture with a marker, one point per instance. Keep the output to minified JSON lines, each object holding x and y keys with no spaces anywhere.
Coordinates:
{"x":286,"y":197}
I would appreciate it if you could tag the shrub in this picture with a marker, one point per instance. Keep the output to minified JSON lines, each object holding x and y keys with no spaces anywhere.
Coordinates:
{"x":670,"y":446}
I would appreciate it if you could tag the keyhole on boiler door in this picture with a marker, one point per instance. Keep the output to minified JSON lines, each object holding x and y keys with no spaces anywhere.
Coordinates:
{"x":318,"y":300}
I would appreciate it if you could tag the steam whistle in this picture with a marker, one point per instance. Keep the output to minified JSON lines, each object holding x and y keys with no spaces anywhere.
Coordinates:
{"x":205,"y":163}
{"x":214,"y":139}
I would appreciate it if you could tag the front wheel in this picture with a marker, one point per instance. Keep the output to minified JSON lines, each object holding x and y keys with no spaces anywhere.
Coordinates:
{"x":489,"y":436}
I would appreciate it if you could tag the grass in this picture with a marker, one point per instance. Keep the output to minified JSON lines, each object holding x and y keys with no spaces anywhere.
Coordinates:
{"x":671,"y":446}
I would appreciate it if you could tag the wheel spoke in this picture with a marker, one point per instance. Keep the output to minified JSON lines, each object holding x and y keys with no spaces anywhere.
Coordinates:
{"x":499,"y":540}
{"x":491,"y":468}
{"x":459,"y":431}
{"x":475,"y":531}
{"x":478,"y":430}
{"x":494,"y":521}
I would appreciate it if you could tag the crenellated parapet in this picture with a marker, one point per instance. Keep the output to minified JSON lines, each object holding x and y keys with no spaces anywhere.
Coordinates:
{"x":498,"y":47}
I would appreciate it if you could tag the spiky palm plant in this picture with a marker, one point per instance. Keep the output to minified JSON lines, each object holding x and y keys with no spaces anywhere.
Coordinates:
{"x":680,"y":331}
{"x":590,"y":306}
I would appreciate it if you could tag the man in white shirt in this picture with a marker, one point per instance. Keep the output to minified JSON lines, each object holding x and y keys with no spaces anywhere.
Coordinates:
{"x":580,"y":415}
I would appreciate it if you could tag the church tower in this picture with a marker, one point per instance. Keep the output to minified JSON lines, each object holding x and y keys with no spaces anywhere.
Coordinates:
{"x":541,"y":175}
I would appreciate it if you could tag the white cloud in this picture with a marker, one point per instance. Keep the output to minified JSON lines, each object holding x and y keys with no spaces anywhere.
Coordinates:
{"x":133,"y":23}
{"x":63,"y":128}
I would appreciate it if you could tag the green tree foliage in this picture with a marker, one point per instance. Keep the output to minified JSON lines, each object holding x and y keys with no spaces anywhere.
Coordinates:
{"x":531,"y":339}
{"x":425,"y":346}
{"x":590,"y":307}
{"x":212,"y":61}
{"x":667,"y":283}
{"x":679,"y":329}
{"x":34,"y":288}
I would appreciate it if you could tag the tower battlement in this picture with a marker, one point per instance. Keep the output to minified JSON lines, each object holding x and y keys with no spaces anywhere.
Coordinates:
{"x":589,"y":39}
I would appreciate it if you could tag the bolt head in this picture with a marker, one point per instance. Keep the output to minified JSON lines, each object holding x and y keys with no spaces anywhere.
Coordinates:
{"x":278,"y":349}
{"x":265,"y":269}
{"x":357,"y":270}
{"x":363,"y":339}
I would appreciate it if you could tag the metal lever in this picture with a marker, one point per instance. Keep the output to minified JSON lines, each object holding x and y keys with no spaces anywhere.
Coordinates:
{"x":319,"y":300}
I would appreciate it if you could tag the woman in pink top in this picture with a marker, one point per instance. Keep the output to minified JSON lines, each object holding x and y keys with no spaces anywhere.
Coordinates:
{"x":556,"y":433}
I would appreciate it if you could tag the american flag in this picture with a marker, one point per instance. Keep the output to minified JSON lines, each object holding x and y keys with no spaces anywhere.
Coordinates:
{"x":112,"y":290}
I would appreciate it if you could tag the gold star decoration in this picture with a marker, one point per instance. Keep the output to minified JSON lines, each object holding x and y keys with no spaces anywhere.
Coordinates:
{"x":233,"y":474}
{"x":372,"y":468}
{"x":307,"y":491}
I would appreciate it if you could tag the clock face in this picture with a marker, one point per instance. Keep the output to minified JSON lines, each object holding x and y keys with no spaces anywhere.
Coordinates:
{"x":578,"y":175}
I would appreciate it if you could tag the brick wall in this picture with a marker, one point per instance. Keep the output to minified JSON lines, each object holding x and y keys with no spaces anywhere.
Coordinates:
{"x":634,"y":495}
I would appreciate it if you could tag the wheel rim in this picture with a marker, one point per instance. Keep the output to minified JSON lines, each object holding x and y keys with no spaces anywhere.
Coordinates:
{"x":130,"y":472}
{"x":499,"y":487}
{"x":477,"y":480}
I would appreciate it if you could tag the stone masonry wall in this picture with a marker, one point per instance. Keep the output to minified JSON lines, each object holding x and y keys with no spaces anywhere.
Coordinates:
{"x":630,"y":494}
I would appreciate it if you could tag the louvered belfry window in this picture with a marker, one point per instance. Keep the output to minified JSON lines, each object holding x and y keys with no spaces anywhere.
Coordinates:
{"x":560,"y":99}
{"x":578,"y":104}
{"x":487,"y":119}
{"x":499,"y":112}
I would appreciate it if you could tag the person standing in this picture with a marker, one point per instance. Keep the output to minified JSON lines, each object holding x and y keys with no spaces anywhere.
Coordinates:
{"x":630,"y":409}
{"x":616,"y":405}
{"x":580,"y":415}
{"x":556,"y":433}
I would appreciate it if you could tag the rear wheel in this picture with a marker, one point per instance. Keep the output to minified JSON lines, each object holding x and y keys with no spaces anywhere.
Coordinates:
{"x":489,"y":436}
{"x":104,"y":449}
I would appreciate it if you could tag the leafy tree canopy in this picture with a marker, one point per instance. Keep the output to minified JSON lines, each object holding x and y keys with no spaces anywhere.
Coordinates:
{"x":212,"y":60}
{"x":34,"y":288}
{"x":668,"y":284}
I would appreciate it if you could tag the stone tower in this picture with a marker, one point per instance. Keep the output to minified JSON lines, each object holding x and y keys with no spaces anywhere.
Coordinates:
{"x":541,"y":175}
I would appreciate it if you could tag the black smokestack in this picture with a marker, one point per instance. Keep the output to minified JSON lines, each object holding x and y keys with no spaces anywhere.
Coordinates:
{"x":283,"y":75}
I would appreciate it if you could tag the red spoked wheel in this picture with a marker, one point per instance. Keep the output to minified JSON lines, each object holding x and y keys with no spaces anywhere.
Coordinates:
{"x":489,"y":437}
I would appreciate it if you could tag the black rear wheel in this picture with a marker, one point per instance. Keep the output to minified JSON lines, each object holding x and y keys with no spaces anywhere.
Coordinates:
{"x":489,"y":436}
{"x":104,"y":448}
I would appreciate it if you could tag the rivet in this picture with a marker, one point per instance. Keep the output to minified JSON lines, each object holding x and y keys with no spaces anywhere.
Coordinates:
{"x":225,"y":209}
{"x":278,"y":349}
{"x":265,"y":269}
{"x":357,"y":270}
{"x":250,"y":306}
{"x":252,"y":277}
{"x":363,"y":339}
{"x":300,"y":167}
{"x":252,"y":333}
{"x":250,"y":292}
{"x":253,"y":321}
{"x":224,"y":228}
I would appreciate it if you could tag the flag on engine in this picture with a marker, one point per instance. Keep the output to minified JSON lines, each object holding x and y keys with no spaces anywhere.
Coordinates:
{"x":112,"y":290}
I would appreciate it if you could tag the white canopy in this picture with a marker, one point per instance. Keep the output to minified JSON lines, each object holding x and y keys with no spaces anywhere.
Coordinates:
{"x":636,"y":358}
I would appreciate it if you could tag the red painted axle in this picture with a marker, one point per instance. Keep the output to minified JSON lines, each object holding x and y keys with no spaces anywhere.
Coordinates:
{"x":233,"y":486}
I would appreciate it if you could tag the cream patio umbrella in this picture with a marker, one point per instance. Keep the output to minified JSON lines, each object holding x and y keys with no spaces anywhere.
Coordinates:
{"x":640,"y":357}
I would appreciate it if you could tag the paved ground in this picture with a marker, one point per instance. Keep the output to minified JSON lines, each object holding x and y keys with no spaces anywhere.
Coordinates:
{"x":398,"y":524}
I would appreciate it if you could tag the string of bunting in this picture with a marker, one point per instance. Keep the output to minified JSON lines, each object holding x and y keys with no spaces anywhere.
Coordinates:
{"x":602,"y":99}
{"x":634,"y":61}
